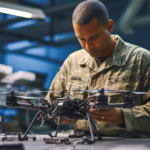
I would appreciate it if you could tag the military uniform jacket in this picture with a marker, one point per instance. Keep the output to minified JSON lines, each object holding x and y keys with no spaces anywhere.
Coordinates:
{"x":127,"y":68}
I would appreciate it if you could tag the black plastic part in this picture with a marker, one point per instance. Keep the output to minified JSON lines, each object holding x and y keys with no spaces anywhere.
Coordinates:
{"x":34,"y":139}
{"x":88,"y":141}
{"x":22,"y":139}
{"x":101,"y":91}
{"x":11,"y":101}
{"x":55,"y":140}
{"x":102,"y":102}
{"x":50,"y":135}
{"x":128,"y":101}
{"x":62,"y":93}
{"x":3,"y":139}
{"x":78,"y":134}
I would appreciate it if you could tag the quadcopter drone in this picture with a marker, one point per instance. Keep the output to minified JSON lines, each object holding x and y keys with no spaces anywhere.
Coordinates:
{"x":69,"y":107}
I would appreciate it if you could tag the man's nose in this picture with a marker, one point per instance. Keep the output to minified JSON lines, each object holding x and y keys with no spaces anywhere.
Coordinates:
{"x":89,"y":45}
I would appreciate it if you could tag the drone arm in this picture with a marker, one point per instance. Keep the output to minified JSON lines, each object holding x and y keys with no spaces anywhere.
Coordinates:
{"x":115,"y":105}
{"x":25,"y":105}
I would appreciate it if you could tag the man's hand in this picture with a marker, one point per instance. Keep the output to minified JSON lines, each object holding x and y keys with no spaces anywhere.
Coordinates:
{"x":108,"y":115}
{"x":68,"y":121}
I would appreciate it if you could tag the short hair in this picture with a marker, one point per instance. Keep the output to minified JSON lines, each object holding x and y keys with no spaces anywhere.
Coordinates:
{"x":90,"y":9}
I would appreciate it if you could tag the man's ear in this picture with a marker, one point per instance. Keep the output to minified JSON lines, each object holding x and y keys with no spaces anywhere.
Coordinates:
{"x":110,"y":26}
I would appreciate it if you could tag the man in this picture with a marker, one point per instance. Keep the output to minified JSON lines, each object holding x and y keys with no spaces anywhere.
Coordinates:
{"x":109,"y":62}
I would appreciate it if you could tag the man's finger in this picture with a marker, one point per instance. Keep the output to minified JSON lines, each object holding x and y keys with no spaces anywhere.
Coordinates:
{"x":98,"y":118}
{"x":96,"y":111}
{"x":98,"y":115}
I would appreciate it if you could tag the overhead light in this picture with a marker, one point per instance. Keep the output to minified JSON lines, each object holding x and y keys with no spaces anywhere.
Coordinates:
{"x":21,"y":11}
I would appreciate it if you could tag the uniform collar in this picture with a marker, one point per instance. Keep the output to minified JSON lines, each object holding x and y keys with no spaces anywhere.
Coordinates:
{"x":118,"y":56}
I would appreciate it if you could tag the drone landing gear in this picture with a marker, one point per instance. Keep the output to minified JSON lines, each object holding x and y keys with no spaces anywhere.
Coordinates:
{"x":85,"y":139}
{"x":99,"y":137}
{"x":54,"y":139}
{"x":25,"y":137}
{"x":90,"y":121}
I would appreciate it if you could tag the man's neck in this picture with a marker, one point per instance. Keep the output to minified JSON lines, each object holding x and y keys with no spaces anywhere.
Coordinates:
{"x":109,"y":51}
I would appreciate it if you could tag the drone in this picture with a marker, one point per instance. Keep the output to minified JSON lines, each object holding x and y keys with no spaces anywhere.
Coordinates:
{"x":69,"y":107}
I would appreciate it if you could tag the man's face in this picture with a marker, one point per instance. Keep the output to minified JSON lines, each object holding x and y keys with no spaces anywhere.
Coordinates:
{"x":94,"y":39}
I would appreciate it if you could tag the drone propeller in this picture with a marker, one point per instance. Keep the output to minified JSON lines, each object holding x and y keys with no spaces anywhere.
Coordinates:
{"x":25,"y":97}
{"x":110,"y":91}
{"x":140,"y":92}
{"x":38,"y":92}
{"x":18,"y":92}
{"x":4,"y":93}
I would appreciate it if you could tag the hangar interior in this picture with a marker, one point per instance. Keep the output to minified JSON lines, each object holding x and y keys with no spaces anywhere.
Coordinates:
{"x":33,"y":49}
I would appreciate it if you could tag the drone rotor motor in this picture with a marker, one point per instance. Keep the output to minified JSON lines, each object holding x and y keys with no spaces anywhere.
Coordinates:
{"x":128,"y":100}
{"x":102,"y":100}
{"x":11,"y":100}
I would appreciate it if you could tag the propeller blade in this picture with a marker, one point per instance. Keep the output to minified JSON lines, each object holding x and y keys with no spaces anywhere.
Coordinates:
{"x":36,"y":91}
{"x":39,"y":92}
{"x":4,"y":92}
{"x":115,"y":91}
{"x":78,"y":90}
{"x":140,"y":92}
{"x":108,"y":91}
{"x":25,"y":97}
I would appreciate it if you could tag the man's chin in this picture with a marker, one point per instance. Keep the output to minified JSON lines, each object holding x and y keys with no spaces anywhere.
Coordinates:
{"x":95,"y":55}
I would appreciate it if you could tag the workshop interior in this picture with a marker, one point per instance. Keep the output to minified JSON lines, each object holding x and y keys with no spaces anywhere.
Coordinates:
{"x":36,"y":36}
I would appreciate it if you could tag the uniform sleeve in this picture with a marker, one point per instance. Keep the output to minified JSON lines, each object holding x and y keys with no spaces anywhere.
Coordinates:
{"x":138,"y":118}
{"x":59,"y":82}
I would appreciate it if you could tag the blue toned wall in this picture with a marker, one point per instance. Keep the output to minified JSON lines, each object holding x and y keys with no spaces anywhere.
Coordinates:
{"x":20,"y":62}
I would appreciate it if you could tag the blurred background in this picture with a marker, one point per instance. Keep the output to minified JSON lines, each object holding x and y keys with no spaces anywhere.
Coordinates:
{"x":36,"y":36}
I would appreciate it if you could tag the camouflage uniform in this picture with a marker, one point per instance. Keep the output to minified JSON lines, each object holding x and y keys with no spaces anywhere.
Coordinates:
{"x":127,"y":68}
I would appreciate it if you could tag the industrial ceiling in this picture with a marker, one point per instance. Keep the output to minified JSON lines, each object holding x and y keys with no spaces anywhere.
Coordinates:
{"x":58,"y":21}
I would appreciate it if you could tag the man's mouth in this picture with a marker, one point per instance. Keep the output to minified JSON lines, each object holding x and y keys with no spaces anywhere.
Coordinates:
{"x":93,"y":52}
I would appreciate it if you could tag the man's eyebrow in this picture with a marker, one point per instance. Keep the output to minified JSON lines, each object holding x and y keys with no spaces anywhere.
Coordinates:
{"x":90,"y":36}
{"x":94,"y":35}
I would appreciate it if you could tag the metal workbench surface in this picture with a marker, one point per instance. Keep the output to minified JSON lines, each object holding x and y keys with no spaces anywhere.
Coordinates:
{"x":107,"y":143}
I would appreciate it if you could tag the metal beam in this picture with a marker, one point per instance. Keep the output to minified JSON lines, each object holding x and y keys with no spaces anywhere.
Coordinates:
{"x":32,"y":4}
{"x":12,"y":33}
{"x":61,"y":42}
{"x":36,"y":57}
{"x":129,"y":15}
{"x":36,"y":31}
{"x":141,"y":21}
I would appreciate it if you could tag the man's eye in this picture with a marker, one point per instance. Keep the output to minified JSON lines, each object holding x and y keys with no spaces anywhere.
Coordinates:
{"x":95,"y":37}
{"x":81,"y":39}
